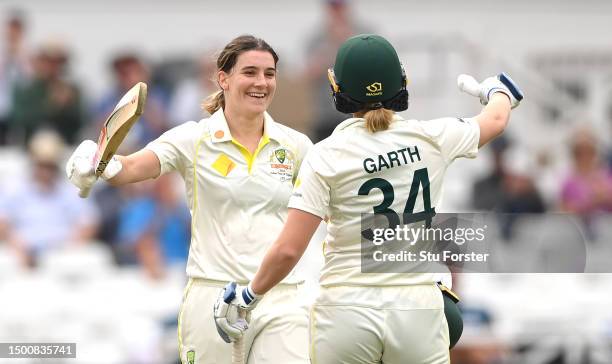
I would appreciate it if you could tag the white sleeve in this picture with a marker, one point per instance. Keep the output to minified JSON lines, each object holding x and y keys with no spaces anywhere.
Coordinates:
{"x":456,"y":137}
{"x":175,"y":148}
{"x":311,"y":190}
{"x":304,"y":145}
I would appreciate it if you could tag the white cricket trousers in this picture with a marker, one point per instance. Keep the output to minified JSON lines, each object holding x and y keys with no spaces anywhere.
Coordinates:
{"x":389,"y":325}
{"x":278,"y":332}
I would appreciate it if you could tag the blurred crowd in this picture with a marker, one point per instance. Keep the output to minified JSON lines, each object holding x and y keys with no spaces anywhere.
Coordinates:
{"x":516,"y":186}
{"x":44,"y":114}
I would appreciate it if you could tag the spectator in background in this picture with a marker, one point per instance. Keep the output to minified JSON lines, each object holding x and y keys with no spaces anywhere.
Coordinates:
{"x":129,"y":69}
{"x":507,"y":190}
{"x":49,"y":100}
{"x":488,"y":193}
{"x":14,"y":68}
{"x":43,"y":212}
{"x":321,"y":51}
{"x":187,"y":99}
{"x":588,"y":188}
{"x":154,"y":228}
{"x":108,"y":201}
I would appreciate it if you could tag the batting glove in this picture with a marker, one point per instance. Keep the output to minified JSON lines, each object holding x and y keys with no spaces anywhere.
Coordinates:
{"x":232,"y":301}
{"x":80,"y":168}
{"x":500,"y":83}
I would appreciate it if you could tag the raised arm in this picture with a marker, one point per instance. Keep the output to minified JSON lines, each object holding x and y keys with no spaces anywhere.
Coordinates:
{"x":136,"y":167}
{"x":493,"y":118}
{"x":499,"y":94}
{"x":121,"y":170}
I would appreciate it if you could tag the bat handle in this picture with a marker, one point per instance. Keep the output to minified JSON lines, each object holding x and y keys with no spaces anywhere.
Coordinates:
{"x":84,"y":192}
{"x":84,"y":167}
{"x":238,"y":345}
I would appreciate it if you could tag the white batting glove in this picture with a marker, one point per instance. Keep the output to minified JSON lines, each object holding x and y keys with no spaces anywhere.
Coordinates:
{"x":230,"y":325}
{"x":231,"y":301}
{"x":500,"y":83}
{"x":80,"y":168}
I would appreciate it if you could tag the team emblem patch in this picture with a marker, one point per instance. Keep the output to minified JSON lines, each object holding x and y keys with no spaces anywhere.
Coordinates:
{"x":280,"y":155}
{"x":281,"y":164}
{"x":191,"y":357}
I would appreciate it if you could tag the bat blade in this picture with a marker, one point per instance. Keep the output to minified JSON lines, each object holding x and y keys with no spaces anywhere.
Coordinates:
{"x":116,"y":127}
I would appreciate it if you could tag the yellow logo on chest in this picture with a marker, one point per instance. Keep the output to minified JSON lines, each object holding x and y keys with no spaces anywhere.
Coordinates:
{"x":223,"y":165}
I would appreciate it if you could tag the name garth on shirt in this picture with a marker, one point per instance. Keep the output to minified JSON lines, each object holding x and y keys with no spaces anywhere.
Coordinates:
{"x":392,"y":159}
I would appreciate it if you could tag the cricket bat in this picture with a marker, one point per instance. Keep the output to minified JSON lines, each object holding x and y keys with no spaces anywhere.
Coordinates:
{"x":116,"y":127}
{"x":238,"y":345}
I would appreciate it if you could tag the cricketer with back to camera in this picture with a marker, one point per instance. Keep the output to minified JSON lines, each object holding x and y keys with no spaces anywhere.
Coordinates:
{"x":374,"y":317}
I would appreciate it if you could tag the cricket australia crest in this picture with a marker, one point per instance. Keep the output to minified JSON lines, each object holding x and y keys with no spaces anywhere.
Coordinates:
{"x":280,"y":155}
{"x":281,"y":164}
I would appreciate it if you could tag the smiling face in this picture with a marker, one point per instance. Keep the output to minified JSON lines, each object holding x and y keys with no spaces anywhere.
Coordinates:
{"x":249,"y":87}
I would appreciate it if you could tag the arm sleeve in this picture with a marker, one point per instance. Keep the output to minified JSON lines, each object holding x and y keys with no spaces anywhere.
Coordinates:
{"x":175,"y":148}
{"x":456,"y":137}
{"x":311,"y":192}
{"x":303,"y":147}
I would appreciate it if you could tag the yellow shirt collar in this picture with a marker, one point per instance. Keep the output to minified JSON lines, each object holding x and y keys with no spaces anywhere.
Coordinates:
{"x":219,"y":130}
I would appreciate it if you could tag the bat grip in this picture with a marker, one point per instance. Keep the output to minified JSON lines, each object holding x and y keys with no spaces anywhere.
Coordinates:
{"x":238,"y":345}
{"x":83,"y":193}
{"x":84,"y":167}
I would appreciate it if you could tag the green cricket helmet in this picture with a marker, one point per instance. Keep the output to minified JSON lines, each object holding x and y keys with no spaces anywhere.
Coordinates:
{"x":368,"y":75}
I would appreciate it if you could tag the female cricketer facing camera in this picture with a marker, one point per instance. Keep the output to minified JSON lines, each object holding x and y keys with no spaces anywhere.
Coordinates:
{"x":239,"y":167}
{"x":374,"y":317}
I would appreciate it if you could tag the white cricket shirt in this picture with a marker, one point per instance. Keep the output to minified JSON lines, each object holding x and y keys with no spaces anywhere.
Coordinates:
{"x":238,"y":201}
{"x":344,"y":176}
